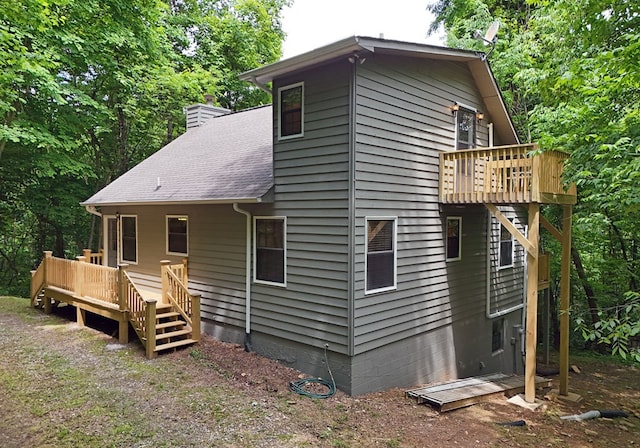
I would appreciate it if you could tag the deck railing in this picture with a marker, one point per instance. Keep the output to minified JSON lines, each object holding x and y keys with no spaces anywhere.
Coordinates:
{"x":96,"y":281}
{"x":142,"y":312}
{"x":504,"y":174}
{"x":37,"y":282}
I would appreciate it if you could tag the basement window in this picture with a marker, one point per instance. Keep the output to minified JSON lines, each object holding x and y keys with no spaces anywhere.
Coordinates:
{"x":291,"y":111}
{"x":270,"y":251}
{"x":497,"y":335}
{"x":454,"y":238}
{"x":381,"y":254}
{"x":465,"y":128}
{"x":177,"y":235}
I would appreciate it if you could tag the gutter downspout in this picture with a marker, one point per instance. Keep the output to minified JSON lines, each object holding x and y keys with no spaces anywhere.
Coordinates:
{"x":247,"y":326}
{"x":92,"y":209}
{"x":261,"y":86}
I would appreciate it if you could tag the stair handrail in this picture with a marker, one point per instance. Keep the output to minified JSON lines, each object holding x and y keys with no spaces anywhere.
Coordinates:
{"x":142,"y":312}
{"x":38,"y":282}
{"x":187,"y":304}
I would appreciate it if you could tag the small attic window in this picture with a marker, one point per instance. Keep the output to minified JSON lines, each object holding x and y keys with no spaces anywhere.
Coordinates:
{"x":291,"y":111}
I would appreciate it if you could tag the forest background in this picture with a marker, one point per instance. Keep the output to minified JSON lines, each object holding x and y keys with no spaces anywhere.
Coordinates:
{"x":89,"y":88}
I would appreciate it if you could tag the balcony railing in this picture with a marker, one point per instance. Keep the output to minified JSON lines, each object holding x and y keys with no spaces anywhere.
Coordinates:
{"x":504,"y":175}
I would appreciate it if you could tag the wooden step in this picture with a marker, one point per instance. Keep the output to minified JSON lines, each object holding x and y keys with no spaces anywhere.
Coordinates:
{"x":175,"y":344}
{"x":167,"y":315}
{"x":172,"y":334}
{"x":171,"y":323}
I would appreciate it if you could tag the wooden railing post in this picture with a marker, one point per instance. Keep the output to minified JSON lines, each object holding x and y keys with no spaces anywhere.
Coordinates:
{"x":47,"y":262}
{"x":164,"y":266}
{"x":79,"y":286}
{"x":33,"y":287}
{"x":185,"y":272}
{"x":123,"y":303}
{"x":86,"y":253}
{"x":195,"y":317}
{"x":150,"y":327}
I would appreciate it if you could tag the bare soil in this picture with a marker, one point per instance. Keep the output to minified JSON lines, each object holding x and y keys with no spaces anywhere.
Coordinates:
{"x":66,"y":386}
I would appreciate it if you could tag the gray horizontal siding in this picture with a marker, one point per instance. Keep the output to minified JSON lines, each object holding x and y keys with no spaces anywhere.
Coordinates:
{"x":403,"y":122}
{"x":311,"y":189}
{"x":508,"y":285}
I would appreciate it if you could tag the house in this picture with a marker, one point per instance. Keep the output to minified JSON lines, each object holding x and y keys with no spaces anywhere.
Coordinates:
{"x":378,"y":210}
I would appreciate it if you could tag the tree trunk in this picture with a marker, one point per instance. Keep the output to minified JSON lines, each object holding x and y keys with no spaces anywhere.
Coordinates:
{"x":588,"y":290}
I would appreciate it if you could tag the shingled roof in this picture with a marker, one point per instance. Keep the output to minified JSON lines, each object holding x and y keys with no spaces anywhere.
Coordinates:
{"x":227,"y":159}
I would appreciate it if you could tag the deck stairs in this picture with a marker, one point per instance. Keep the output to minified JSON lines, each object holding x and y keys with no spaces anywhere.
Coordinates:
{"x":171,"y":330}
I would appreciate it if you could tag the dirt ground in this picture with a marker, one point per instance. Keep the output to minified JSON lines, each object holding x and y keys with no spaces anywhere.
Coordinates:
{"x":66,"y":386}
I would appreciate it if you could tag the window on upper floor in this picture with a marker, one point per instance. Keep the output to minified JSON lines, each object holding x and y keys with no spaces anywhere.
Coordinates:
{"x":270,"y":250}
{"x":291,"y":111}
{"x":129,"y":238}
{"x":465,"y":128}
{"x":454,"y":238}
{"x":506,"y":247}
{"x":381,"y":254}
{"x":177,"y":235}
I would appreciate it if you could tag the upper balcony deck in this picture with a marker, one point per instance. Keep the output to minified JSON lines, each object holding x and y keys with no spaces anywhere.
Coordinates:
{"x":516,"y":174}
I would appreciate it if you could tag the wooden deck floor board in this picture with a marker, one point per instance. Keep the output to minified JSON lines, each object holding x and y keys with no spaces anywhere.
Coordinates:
{"x":468,"y":391}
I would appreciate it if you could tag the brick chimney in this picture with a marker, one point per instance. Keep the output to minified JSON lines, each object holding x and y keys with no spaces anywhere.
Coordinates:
{"x":199,"y":113}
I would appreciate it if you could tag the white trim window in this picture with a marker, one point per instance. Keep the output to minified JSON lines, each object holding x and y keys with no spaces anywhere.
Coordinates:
{"x":465,"y":127}
{"x":381,"y":259}
{"x":129,"y":238}
{"x":291,"y":111}
{"x":507,"y":247}
{"x":453,"y":238}
{"x":177,"y":235}
{"x":270,"y":250}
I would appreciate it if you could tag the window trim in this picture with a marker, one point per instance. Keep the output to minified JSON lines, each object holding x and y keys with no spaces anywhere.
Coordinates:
{"x":279,"y":112}
{"x":473,"y":111}
{"x":394,"y":286}
{"x":167,"y":217}
{"x":255,"y":250}
{"x":446,"y":238}
{"x":513,"y":246}
{"x":121,"y":237}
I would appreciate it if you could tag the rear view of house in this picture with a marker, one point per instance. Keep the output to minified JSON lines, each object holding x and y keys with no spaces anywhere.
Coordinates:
{"x":379,"y":209}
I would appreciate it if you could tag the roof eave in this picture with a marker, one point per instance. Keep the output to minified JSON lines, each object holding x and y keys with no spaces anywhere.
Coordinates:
{"x":212,"y":201}
{"x":348,"y":46}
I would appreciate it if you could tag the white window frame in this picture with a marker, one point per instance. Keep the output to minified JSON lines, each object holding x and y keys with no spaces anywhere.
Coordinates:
{"x":255,"y":250}
{"x":280,"y":91}
{"x":513,"y":246}
{"x":394,"y":220}
{"x":446,"y":238}
{"x":167,"y":218}
{"x":473,"y":111}
{"x":121,"y":236}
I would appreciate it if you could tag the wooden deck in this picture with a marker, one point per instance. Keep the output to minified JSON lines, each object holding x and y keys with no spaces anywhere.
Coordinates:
{"x":515,"y":174}
{"x":460,"y":393}
{"x":162,"y":320}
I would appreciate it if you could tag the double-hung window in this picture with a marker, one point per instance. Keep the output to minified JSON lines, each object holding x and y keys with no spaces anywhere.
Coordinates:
{"x":177,"y":235}
{"x":506,"y":247}
{"x":270,"y":251}
{"x":129,"y":238}
{"x":454,"y":238}
{"x":381,"y":254}
{"x":291,"y":111}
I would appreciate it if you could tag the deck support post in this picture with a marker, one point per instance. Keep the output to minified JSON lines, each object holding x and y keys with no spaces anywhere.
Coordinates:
{"x":195,"y":317}
{"x":123,"y":305}
{"x":164,"y":267}
{"x":81,"y":316}
{"x":150,"y":328}
{"x":565,"y":286}
{"x":532,"y":304}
